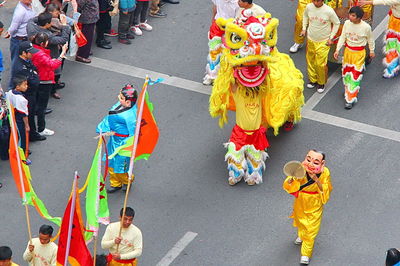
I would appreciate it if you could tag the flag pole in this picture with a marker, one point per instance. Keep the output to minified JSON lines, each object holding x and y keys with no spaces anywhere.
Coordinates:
{"x":94,"y":250}
{"x":12,"y":120}
{"x":71,"y":217}
{"x":136,"y":139}
{"x":98,"y":183}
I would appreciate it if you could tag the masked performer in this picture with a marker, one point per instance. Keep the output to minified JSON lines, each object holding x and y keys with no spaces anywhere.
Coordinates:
{"x":355,"y":35}
{"x":121,"y":122}
{"x":311,"y":193}
{"x":261,"y":84}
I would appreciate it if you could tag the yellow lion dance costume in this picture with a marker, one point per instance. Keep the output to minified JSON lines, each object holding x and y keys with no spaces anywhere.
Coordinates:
{"x":261,"y":84}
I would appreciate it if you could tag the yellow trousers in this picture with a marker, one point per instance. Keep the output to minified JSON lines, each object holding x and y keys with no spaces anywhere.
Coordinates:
{"x":298,"y":26}
{"x":118,"y":179}
{"x":317,"y":58}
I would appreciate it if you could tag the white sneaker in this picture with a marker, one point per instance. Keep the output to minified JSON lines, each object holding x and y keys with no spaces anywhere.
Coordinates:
{"x":311,"y":85}
{"x":295,"y":47}
{"x":298,"y":241}
{"x":304,"y":260}
{"x":136,"y":30}
{"x":207,"y":80}
{"x":47,"y":132}
{"x":145,"y":26}
{"x":320,"y":88}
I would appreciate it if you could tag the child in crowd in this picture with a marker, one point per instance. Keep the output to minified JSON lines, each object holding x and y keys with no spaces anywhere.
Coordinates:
{"x":20,"y":104}
{"x":126,"y":10}
{"x":140,"y":17}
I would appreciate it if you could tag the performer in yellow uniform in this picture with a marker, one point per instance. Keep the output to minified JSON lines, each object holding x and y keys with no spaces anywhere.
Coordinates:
{"x":321,"y":23}
{"x":355,"y":35}
{"x":311,"y":193}
{"x":392,"y":37}
{"x":298,"y":26}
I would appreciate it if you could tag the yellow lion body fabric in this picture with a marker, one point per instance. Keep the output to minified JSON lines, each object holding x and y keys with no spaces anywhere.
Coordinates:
{"x":252,"y":66}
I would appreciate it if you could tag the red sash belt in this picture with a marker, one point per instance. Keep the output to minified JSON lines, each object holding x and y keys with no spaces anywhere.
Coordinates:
{"x":296,"y":194}
{"x":109,"y":258}
{"x":355,"y":48}
{"x":121,"y":135}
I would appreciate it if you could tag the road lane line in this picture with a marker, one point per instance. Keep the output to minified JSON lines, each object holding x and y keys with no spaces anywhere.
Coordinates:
{"x":177,"y":249}
{"x":336,"y":76}
{"x":353,"y":125}
{"x":138,"y":72}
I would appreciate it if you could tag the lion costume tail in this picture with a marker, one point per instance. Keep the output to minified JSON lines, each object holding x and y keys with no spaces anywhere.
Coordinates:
{"x":284,"y":97}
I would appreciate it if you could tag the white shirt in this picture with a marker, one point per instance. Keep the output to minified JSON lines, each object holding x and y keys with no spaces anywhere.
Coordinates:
{"x":226,"y":8}
{"x":256,"y":9}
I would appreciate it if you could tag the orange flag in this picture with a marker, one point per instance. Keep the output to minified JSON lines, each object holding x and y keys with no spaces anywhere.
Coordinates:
{"x":79,"y":254}
{"x":149,"y":133}
{"x":21,"y":173}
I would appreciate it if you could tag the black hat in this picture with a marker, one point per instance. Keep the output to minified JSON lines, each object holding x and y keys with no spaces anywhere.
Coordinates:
{"x":27,"y":47}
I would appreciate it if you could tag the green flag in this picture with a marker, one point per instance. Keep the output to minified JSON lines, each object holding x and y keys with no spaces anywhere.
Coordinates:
{"x":96,"y":197}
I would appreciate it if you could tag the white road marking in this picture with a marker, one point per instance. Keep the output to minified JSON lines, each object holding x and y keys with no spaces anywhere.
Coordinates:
{"x":177,"y":249}
{"x":138,"y":72}
{"x":353,"y":125}
{"x":307,"y":111}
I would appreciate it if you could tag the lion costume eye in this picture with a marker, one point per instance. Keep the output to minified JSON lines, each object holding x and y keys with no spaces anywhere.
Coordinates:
{"x":235,"y":38}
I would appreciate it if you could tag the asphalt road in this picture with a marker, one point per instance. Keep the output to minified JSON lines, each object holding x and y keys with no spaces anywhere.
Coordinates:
{"x":183,"y":187}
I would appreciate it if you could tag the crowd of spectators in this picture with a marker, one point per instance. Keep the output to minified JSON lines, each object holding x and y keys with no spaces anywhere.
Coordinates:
{"x":42,"y":33}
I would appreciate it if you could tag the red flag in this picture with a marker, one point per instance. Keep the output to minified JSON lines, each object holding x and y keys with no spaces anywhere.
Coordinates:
{"x":79,"y":254}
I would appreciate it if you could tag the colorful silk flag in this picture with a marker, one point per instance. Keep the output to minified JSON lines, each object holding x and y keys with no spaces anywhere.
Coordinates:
{"x":21,"y":173}
{"x":148,"y":135}
{"x":96,"y":196}
{"x":78,"y":253}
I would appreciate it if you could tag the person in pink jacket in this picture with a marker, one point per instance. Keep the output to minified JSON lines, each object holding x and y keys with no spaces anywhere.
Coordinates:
{"x":46,"y":66}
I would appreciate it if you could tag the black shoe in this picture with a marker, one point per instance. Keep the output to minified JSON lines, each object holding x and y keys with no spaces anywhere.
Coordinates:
{"x":103,"y":44}
{"x":113,"y":189}
{"x":60,"y":85}
{"x":37,"y":137}
{"x":107,"y":41}
{"x":130,"y":36}
{"x":124,"y":187}
{"x":159,"y":14}
{"x":48,"y":111}
{"x":348,"y":106}
{"x":171,"y":1}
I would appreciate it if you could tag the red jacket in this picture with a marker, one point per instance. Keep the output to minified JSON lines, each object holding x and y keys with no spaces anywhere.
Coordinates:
{"x":45,"y":64}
